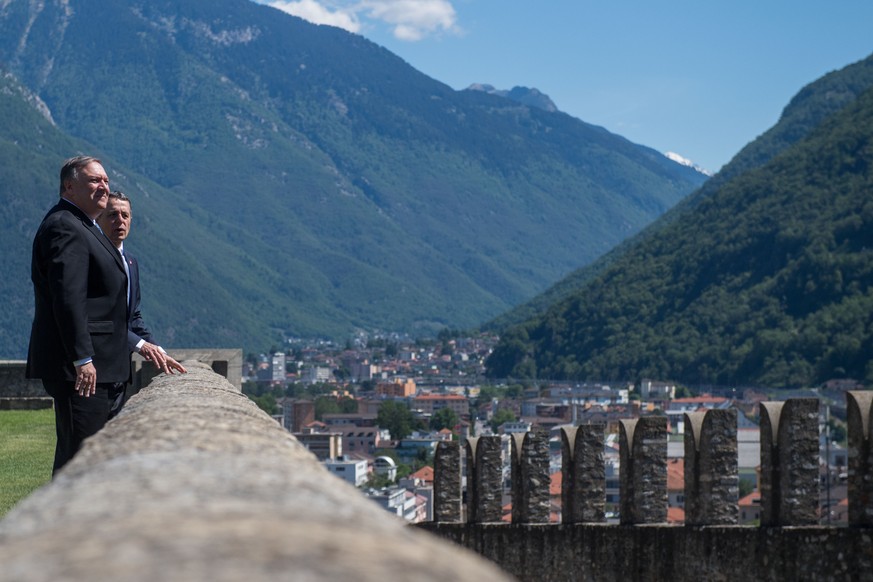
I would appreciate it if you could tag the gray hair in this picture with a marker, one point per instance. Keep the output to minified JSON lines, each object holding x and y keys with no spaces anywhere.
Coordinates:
{"x":70,"y":169}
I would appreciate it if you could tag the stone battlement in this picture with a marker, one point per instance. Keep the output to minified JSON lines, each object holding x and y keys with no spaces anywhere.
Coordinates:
{"x":788,"y":545}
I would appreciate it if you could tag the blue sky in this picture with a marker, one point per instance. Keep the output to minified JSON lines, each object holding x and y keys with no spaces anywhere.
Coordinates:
{"x":699,"y":78}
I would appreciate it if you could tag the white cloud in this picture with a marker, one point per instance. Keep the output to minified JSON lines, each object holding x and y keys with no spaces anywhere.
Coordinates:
{"x":411,"y":20}
{"x":318,"y":13}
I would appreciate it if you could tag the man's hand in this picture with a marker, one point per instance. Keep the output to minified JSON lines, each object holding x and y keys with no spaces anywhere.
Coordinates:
{"x":174,"y":365}
{"x":159,"y":358}
{"x":86,"y":379}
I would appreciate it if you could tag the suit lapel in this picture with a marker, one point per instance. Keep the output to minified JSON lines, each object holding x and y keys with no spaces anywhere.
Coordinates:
{"x":92,"y":228}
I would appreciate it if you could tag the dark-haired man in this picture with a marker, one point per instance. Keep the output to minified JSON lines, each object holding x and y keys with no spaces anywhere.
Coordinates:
{"x":115,"y":221}
{"x":78,"y":341}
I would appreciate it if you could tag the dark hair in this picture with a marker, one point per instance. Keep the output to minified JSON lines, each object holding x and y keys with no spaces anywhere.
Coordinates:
{"x":70,"y":169}
{"x":119,"y":195}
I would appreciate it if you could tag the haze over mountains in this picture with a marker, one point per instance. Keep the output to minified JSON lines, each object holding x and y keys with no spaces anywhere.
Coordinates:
{"x":763,"y":277}
{"x":293,"y":179}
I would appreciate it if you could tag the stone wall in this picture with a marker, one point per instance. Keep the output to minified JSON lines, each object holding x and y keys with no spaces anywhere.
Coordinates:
{"x":18,"y":392}
{"x":790,"y":545}
{"x":193,"y":482}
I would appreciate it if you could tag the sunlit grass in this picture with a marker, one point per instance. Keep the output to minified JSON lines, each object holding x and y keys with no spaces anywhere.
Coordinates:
{"x":27,"y":448}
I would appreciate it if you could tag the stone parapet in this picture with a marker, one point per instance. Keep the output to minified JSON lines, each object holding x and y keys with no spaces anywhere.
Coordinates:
{"x":788,"y":545}
{"x":13,"y":384}
{"x":657,"y":553}
{"x":192,"y":481}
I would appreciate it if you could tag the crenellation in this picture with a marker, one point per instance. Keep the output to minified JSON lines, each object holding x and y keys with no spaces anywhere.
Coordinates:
{"x":789,"y":462}
{"x":711,"y":472}
{"x":484,"y":479}
{"x":711,"y":545}
{"x":583,"y":494}
{"x":530,"y":477}
{"x":643,"y":479}
{"x":858,"y":405}
{"x":447,"y":486}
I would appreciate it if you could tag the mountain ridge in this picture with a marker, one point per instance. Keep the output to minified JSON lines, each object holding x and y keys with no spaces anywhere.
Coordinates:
{"x":360,"y":192}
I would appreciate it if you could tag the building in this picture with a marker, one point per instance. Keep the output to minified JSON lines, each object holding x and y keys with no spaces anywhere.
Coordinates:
{"x":430,"y":403}
{"x":652,"y":390}
{"x":385,"y":467}
{"x":277,"y":368}
{"x":297,"y":414}
{"x":517,"y":426}
{"x":750,"y":509}
{"x":362,"y":440}
{"x":325,"y":446}
{"x":355,"y":419}
{"x":402,"y":503}
{"x":353,"y":471}
{"x":363,"y":371}
{"x":410,"y":448}
{"x":316,"y":375}
{"x":676,"y":486}
{"x":399,"y":388}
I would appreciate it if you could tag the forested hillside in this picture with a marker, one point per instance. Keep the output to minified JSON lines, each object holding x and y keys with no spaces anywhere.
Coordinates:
{"x":806,"y":111}
{"x":767,"y":279}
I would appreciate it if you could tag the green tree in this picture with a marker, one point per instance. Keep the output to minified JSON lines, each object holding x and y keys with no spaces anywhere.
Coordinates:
{"x":325,"y":405}
{"x":396,"y":418}
{"x":501,"y":416}
{"x":444,"y":418}
{"x":266,"y":402}
{"x":746,"y":487}
{"x":348,"y":405}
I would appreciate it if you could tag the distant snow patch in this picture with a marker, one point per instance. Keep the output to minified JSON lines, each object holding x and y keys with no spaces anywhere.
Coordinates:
{"x":686,"y":162}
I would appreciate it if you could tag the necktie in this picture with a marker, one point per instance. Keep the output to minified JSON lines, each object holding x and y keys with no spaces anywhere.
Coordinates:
{"x":126,"y":272}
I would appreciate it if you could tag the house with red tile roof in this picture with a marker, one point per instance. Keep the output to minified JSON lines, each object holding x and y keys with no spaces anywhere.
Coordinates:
{"x":425,"y":474}
{"x":750,"y":508}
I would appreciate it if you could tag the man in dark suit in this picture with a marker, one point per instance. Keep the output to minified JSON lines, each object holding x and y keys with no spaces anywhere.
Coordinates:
{"x":78,"y":341}
{"x":115,"y":221}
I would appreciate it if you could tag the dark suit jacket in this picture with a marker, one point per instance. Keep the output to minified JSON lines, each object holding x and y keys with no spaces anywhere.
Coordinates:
{"x":80,"y":290}
{"x":136,"y":327}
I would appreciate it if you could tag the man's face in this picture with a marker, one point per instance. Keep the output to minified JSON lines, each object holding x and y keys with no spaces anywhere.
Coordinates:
{"x":115,"y":220}
{"x":89,"y":190}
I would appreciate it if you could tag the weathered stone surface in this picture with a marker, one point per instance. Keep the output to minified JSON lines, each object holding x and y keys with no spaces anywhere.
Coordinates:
{"x":193,"y":482}
{"x":447,"y":482}
{"x":13,"y":384}
{"x":657,"y":553}
{"x":484,"y":479}
{"x":711,"y":471}
{"x":789,"y":462}
{"x":530,"y":477}
{"x":583,"y":492}
{"x":859,"y":408}
{"x":643,"y":480}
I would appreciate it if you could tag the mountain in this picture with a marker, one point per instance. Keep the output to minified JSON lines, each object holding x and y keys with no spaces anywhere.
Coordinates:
{"x":686,"y":162}
{"x":523,"y":95}
{"x":762,"y":277}
{"x":806,"y":111}
{"x":294,"y":179}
